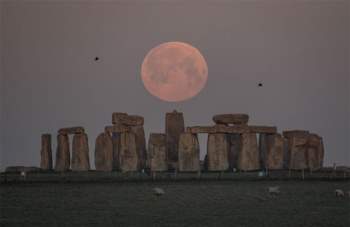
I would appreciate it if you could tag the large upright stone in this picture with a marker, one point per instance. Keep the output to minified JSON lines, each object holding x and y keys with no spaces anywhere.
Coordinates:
{"x":315,"y":152}
{"x":80,"y":153}
{"x":174,"y":126}
{"x":249,"y":154}
{"x":157,"y":156}
{"x":275,"y":151}
{"x":218,"y":150}
{"x":297,"y":148}
{"x":128,"y":158}
{"x":46,"y":152}
{"x":263,"y":146}
{"x":140,"y":144}
{"x":104,"y":152}
{"x":235,"y":146}
{"x":188,"y":153}
{"x":62,"y":153}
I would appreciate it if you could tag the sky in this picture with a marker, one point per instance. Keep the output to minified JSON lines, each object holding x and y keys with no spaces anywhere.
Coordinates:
{"x":298,"y":50}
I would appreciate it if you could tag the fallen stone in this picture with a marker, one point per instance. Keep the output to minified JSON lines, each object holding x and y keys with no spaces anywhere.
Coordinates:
{"x":157,"y":156}
{"x":188,"y":153}
{"x":71,"y":130}
{"x":174,"y":126}
{"x":218,"y":149}
{"x":249,"y":154}
{"x":140,"y":144}
{"x":104,"y":153}
{"x":62,"y":153}
{"x":80,"y":153}
{"x":46,"y":152}
{"x":235,"y":119}
{"x":235,"y":146}
{"x":128,"y":158}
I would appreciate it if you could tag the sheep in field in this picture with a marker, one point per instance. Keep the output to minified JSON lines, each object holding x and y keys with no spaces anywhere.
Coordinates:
{"x":339,"y":193}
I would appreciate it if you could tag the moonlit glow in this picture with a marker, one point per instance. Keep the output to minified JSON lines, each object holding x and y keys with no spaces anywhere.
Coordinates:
{"x":174,"y":71}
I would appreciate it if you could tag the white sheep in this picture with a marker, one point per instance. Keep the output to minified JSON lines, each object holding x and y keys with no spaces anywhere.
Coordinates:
{"x":275,"y":190}
{"x":158,"y":191}
{"x":339,"y":193}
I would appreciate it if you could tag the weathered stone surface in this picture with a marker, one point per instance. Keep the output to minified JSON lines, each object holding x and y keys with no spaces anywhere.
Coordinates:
{"x":297,"y":148}
{"x":174,"y":126}
{"x":104,"y":152}
{"x":292,"y":133}
{"x":236,"y":119}
{"x":116,"y":116}
{"x":235,"y":146}
{"x":71,"y":130}
{"x":263,"y":149}
{"x":188,"y":152}
{"x":80,"y":153}
{"x":116,"y":150}
{"x":62,"y":153}
{"x":249,"y":154}
{"x":128,"y":120}
{"x":157,"y":155}
{"x":275,"y":151}
{"x":315,"y":152}
{"x":232,"y":129}
{"x":116,"y":129}
{"x":218,"y":149}
{"x":128,"y":158}
{"x":46,"y":152}
{"x":140,"y":145}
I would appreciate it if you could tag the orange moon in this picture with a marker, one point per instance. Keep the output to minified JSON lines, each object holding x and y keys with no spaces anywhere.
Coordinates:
{"x":174,"y":71}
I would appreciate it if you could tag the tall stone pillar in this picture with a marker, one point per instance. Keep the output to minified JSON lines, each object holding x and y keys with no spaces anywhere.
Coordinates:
{"x":189,"y":152}
{"x":157,"y":155}
{"x":249,"y":154}
{"x":46,"y":152}
{"x":217,"y":151}
{"x":80,"y":153}
{"x":104,"y":152}
{"x":315,"y":152}
{"x":174,"y":126}
{"x":263,"y":146}
{"x":235,"y":146}
{"x":139,"y":132}
{"x":297,"y":148}
{"x":128,"y":157}
{"x":274,"y":152}
{"x":62,"y":153}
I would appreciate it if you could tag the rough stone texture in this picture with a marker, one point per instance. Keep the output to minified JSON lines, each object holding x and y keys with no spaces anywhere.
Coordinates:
{"x":174,"y":126}
{"x":249,"y":154}
{"x":71,"y":130}
{"x":46,"y":152}
{"x":116,"y":129}
{"x":128,"y":158}
{"x":235,"y":146}
{"x":220,"y":128}
{"x":116,"y":149}
{"x":218,"y":149}
{"x":297,"y":148}
{"x":80,"y":153}
{"x":104,"y":153}
{"x":285,"y":153}
{"x":263,"y":149}
{"x":116,"y":116}
{"x":140,"y":145}
{"x":188,"y":152}
{"x":236,"y":119}
{"x":128,"y":120}
{"x":293,"y":133}
{"x":274,"y":152}
{"x":157,"y":155}
{"x":62,"y":153}
{"x":315,"y":152}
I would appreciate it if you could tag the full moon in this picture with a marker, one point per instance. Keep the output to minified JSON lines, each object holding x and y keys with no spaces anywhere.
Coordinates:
{"x":174,"y":71}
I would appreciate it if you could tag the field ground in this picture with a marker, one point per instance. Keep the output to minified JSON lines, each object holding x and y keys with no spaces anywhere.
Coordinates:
{"x":185,"y":203}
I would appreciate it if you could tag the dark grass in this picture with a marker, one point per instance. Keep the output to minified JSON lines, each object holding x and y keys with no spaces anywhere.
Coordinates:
{"x":189,"y":203}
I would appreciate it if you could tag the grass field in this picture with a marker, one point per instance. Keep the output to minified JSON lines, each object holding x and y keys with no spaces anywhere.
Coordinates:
{"x":200,"y":203}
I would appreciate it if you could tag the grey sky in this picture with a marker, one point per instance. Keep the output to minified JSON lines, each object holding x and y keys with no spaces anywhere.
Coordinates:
{"x":299,"y":50}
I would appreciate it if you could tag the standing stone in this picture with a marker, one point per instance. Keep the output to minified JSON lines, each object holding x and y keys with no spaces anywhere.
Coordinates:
{"x":46,"y":152}
{"x":188,"y":152}
{"x":157,"y":155}
{"x":174,"y":124}
{"x":116,"y":150}
{"x":140,"y":145}
{"x":235,"y":144}
{"x":274,"y":151}
{"x":62,"y":153}
{"x":315,"y":152}
{"x":104,"y":152}
{"x":128,"y":158}
{"x":297,"y":148}
{"x":218,"y":149}
{"x":80,"y":153}
{"x":249,"y":154}
{"x":263,"y":143}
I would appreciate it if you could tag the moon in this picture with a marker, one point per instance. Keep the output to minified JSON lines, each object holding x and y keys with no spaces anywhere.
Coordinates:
{"x":174,"y":71}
